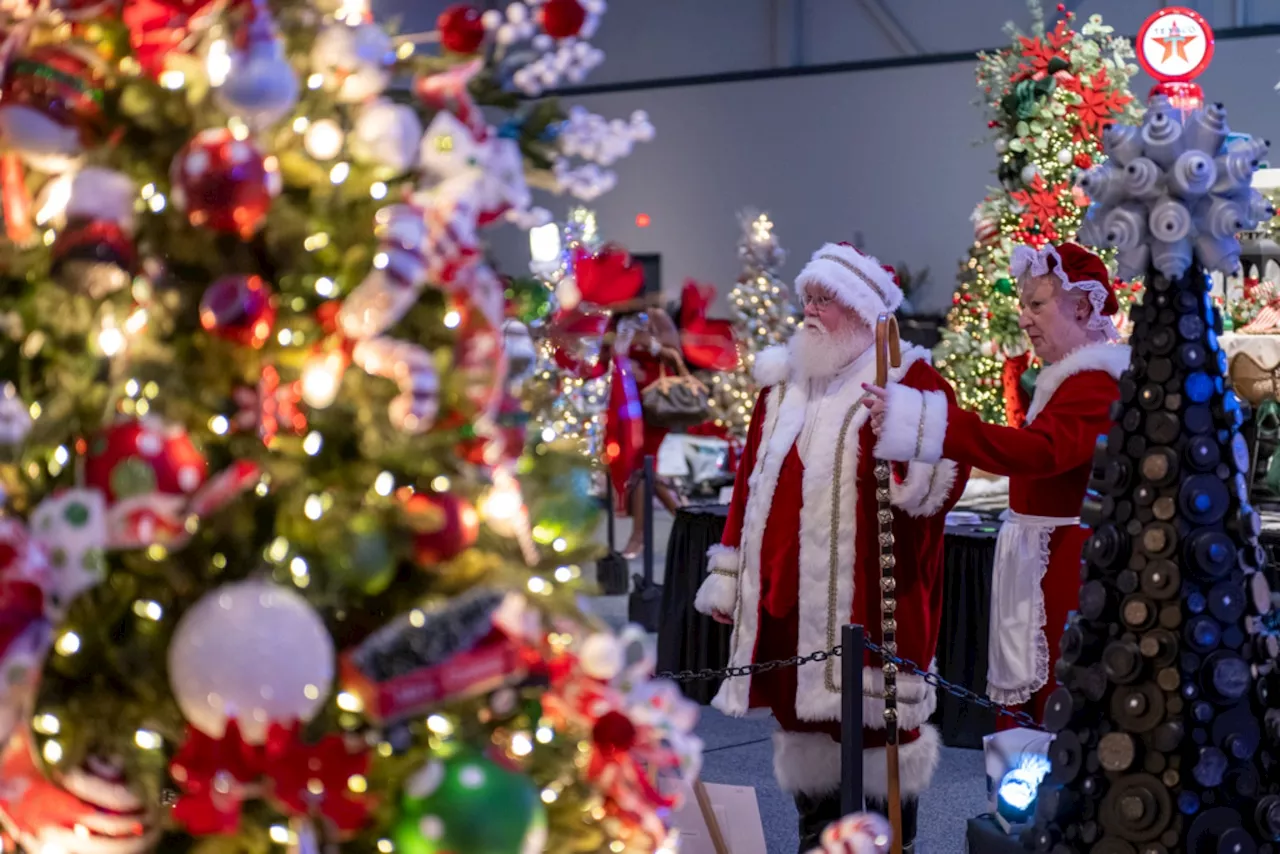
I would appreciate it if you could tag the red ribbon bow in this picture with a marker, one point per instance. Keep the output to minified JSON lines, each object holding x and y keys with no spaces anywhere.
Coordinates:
{"x":706,"y":343}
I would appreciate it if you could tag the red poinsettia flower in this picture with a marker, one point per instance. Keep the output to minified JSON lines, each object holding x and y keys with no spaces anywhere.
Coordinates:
{"x":311,"y":779}
{"x":1083,"y":160}
{"x":1037,"y":53}
{"x":214,"y":775}
{"x":1042,"y":204}
{"x":1100,"y":102}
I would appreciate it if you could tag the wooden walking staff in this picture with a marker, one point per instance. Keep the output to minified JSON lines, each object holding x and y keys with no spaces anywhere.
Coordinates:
{"x":888,"y":354}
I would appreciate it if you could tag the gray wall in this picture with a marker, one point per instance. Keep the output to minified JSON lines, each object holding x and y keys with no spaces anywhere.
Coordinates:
{"x":896,"y":154}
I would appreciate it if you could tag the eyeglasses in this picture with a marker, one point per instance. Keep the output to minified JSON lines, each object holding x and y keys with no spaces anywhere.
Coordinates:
{"x":818,"y":302}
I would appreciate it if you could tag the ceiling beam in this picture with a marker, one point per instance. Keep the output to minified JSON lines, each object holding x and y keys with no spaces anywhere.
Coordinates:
{"x":891,"y":28}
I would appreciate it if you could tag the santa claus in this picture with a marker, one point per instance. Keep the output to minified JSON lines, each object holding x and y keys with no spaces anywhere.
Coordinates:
{"x":800,"y":553}
{"x":1067,"y":305}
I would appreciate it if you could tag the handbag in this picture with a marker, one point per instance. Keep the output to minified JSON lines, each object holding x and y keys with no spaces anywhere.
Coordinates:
{"x":675,"y":402}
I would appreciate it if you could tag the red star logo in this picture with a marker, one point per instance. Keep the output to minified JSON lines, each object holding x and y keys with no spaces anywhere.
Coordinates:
{"x":1174,"y":41}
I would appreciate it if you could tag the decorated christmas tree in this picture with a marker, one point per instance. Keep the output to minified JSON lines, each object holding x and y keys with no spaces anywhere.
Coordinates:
{"x":278,"y":565}
{"x":1048,"y":97}
{"x":763,"y":315}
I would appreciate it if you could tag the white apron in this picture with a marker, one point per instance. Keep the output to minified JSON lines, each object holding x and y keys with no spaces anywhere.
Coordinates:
{"x":1018,"y":658}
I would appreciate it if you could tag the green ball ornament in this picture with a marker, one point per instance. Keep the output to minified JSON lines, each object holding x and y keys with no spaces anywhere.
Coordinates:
{"x":1004,"y":285}
{"x":363,"y":560}
{"x":467,"y":804}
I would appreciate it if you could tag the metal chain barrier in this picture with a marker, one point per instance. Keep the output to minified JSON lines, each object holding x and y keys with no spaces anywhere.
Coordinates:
{"x":905,"y":665}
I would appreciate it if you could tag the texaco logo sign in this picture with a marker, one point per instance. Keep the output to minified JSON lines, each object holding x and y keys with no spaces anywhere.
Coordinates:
{"x":1175,"y":44}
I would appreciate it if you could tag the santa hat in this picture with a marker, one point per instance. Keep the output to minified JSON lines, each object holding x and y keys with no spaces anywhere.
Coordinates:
{"x":855,"y":279}
{"x":1079,"y":270}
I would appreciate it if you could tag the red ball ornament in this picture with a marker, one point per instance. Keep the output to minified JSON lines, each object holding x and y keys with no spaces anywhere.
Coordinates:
{"x":562,"y":19}
{"x":614,"y":733}
{"x":1083,"y":160}
{"x":144,"y":456}
{"x":51,"y":104}
{"x":461,"y":30}
{"x":240,"y":309}
{"x":224,"y":183}
{"x":445,"y":526}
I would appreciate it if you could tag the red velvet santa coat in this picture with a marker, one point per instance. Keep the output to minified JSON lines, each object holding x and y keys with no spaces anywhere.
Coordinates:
{"x":1047,"y":461}
{"x":832,"y":566}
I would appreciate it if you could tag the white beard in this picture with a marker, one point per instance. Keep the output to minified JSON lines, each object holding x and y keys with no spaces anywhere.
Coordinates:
{"x":817,"y":353}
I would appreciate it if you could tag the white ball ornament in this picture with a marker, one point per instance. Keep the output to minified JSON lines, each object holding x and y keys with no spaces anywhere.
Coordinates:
{"x":601,"y":656}
{"x":1002,"y":145}
{"x":251,"y":650}
{"x":358,"y":57}
{"x":1029,"y":173}
{"x":1064,"y":157}
{"x":989,"y":349}
{"x":387,"y":134}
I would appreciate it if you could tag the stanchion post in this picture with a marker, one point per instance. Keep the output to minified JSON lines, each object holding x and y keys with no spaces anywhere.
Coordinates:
{"x":851,"y":650}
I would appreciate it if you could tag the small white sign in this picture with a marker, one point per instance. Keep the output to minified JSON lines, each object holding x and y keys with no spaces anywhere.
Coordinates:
{"x":737,"y":813}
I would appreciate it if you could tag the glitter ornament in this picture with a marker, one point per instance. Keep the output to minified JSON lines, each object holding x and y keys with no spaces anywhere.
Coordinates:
{"x":387,"y":135}
{"x":240,"y":309}
{"x":223,"y":183}
{"x":357,"y":59}
{"x":461,"y":28}
{"x":260,"y":87}
{"x":448,"y":806}
{"x":251,"y":650}
{"x":51,"y":105}
{"x":444,"y":524}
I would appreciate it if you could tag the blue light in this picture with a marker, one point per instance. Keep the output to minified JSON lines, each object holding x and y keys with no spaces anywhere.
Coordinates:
{"x":1017,"y":792}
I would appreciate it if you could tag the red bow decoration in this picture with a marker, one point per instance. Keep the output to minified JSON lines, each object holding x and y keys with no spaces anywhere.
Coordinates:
{"x":219,"y":775}
{"x":706,"y":343}
{"x":608,"y":277}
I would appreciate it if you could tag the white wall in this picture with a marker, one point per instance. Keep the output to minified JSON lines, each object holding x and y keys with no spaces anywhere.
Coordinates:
{"x":888,"y":153}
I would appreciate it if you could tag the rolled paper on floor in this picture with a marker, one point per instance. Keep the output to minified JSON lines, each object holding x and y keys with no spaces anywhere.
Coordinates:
{"x":1219,"y":253}
{"x":1170,"y":221}
{"x":1206,"y":129}
{"x":1132,"y":263}
{"x":1125,"y":227}
{"x":1172,"y":259}
{"x":1143,"y":179}
{"x":1122,"y":143}
{"x":1192,"y":175}
{"x":1235,"y":171}
{"x":1222,"y":218}
{"x":1105,"y":185}
{"x":1162,"y":137}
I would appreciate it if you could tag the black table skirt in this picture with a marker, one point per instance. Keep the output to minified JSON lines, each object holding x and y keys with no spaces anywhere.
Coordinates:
{"x":688,"y":640}
{"x":963,"y":636}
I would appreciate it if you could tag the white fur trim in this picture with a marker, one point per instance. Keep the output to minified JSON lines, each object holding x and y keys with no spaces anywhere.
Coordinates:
{"x":806,"y":763}
{"x":925,"y":489}
{"x":917,"y":762}
{"x":718,"y":592}
{"x":772,"y":365}
{"x":915,"y":424}
{"x":809,"y":763}
{"x":917,"y":699}
{"x":816,"y":699}
{"x":1112,"y":358}
{"x":856,"y":280}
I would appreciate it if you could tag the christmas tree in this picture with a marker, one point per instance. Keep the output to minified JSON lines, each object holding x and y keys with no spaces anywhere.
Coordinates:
{"x":278,"y":565}
{"x":763,"y":316}
{"x":1048,"y":97}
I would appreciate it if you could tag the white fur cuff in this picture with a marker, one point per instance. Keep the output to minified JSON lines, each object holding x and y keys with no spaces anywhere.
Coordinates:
{"x":917,"y":699}
{"x":916,"y":763}
{"x":809,"y":763}
{"x":915,"y":423}
{"x":719,"y":590}
{"x":926,"y":488}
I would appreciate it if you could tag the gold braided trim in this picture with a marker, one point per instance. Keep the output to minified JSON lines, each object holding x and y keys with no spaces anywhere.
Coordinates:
{"x":924,"y":410}
{"x":829,"y":674}
{"x":866,"y":280}
{"x":727,"y":573}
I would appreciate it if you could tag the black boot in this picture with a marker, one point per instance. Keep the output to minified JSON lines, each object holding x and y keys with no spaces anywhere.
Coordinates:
{"x":816,"y":812}
{"x":910,"y":807}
